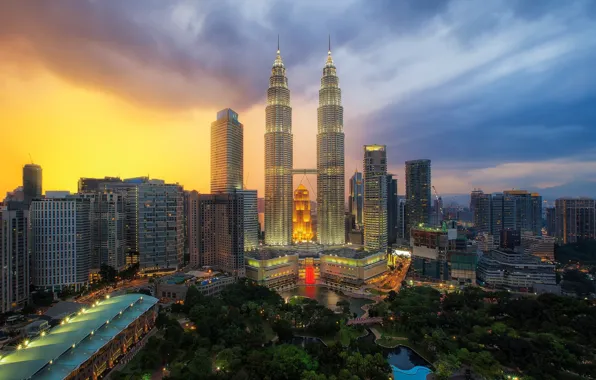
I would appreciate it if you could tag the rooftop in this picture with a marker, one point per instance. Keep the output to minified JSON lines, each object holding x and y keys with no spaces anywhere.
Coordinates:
{"x":65,"y":347}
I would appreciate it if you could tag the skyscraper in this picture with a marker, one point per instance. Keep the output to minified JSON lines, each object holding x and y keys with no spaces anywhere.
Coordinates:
{"x":391,"y":209}
{"x":251,"y":219}
{"x":14,"y":256}
{"x":528,"y":210}
{"x":302,"y":220}
{"x":192,"y":214}
{"x":279,"y":145}
{"x":417,"y":193}
{"x":473,"y":196}
{"x":575,"y":219}
{"x":32,"y":185}
{"x":356,"y":199}
{"x":330,"y":159}
{"x":375,"y":198}
{"x":481,"y":204}
{"x":61,"y":242}
{"x":108,"y":219}
{"x":220,"y":228}
{"x":227,"y":152}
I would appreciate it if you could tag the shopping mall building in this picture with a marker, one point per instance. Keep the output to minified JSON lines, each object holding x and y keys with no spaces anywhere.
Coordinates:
{"x":344,"y":267}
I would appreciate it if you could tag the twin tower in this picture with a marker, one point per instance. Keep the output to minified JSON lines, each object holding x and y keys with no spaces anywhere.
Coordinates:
{"x":279,"y":150}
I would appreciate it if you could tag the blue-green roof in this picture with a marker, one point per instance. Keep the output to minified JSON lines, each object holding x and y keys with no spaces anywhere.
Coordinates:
{"x":88,"y":332}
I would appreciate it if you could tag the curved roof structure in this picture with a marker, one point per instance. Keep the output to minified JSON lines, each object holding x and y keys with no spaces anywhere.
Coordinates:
{"x":65,"y":347}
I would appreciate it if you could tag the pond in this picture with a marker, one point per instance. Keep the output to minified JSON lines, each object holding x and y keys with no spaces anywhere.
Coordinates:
{"x":327,"y":297}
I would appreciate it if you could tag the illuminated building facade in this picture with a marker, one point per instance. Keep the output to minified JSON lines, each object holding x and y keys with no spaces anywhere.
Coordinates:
{"x":301,"y":219}
{"x":227,"y":152}
{"x":418,"y":189}
{"x":279,"y":147}
{"x":330,"y":159}
{"x":339,"y":267}
{"x":375,"y":198}
{"x":575,"y":219}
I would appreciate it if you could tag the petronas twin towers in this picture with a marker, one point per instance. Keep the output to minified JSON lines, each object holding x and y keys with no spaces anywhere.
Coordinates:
{"x":279,"y":146}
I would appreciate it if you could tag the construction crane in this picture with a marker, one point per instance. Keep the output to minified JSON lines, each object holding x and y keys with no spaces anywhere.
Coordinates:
{"x":439,"y":202}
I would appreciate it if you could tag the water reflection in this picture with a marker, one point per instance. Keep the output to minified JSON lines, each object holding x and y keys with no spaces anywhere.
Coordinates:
{"x":327,"y":297}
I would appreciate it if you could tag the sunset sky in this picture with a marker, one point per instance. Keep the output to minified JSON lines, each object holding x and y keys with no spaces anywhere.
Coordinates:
{"x":498,"y":94}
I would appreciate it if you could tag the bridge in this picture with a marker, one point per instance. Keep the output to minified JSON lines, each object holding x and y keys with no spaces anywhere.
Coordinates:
{"x":364,"y":321}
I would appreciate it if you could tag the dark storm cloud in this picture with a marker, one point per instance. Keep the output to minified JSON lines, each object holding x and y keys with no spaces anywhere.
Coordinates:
{"x":509,"y":121}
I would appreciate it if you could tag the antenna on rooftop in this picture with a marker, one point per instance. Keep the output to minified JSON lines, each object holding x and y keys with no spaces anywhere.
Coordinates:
{"x":31,"y":158}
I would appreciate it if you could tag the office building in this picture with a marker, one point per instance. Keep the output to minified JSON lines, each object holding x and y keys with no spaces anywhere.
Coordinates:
{"x":510,"y":238}
{"x":356,"y":200}
{"x":108,"y":233}
{"x":302,"y":220}
{"x":154,"y":214}
{"x":502,"y":215}
{"x":551,"y":224}
{"x":227,"y":152}
{"x":61,"y":242}
{"x":251,"y":219}
{"x":221,"y":233}
{"x":391,"y":209}
{"x":575,"y":220}
{"x":375,"y":198}
{"x":87,"y":185}
{"x":480,"y":205}
{"x":476,"y":193}
{"x":539,"y":246}
{"x":32,"y":182}
{"x":429,"y":250}
{"x":401,"y":217}
{"x":86,"y":345}
{"x":279,"y":145}
{"x":528,"y":210}
{"x":191,"y":199}
{"x":506,"y":269}
{"x":418,"y":197}
{"x":330,"y":159}
{"x":14,"y":256}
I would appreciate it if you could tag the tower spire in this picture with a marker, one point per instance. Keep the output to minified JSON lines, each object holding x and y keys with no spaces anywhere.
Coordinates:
{"x":278,"y":43}
{"x":330,"y":43}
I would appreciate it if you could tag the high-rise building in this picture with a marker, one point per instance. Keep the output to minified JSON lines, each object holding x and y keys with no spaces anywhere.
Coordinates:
{"x":227,"y":152}
{"x":418,"y":197}
{"x":154,"y":222}
{"x":401,"y":217}
{"x":279,"y":145}
{"x":391,"y":209}
{"x":510,"y":238}
{"x":551,"y":224}
{"x":108,"y":220}
{"x":330,"y":159}
{"x":356,"y":199}
{"x":32,"y":185}
{"x":192,"y":199}
{"x":251,"y":219}
{"x":575,"y":219}
{"x":221,"y":232}
{"x":302,"y":220}
{"x":528,"y":210}
{"x":481,"y":204}
{"x":375,"y":198}
{"x":502,"y":215}
{"x":473,"y":199}
{"x":14,"y":256}
{"x":61,"y":242}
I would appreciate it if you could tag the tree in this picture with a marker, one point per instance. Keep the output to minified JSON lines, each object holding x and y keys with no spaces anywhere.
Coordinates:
{"x":107,"y":273}
{"x":283,"y":329}
{"x":193,"y":297}
{"x":289,"y":362}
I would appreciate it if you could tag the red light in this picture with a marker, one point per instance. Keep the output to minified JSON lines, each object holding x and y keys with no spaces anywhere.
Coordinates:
{"x":309,"y":275}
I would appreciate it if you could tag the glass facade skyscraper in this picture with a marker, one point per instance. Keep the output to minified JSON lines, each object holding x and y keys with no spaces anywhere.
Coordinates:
{"x":418,"y":189}
{"x":279,"y":145}
{"x":356,"y":199}
{"x":227,"y":152}
{"x":32,"y":185}
{"x":330,"y":159}
{"x":375,"y":198}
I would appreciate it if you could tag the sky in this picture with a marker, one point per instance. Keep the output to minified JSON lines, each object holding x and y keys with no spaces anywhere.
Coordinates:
{"x":498,"y":94}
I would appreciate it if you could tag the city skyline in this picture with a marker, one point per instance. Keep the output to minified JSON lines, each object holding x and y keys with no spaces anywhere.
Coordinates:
{"x":62,"y":95}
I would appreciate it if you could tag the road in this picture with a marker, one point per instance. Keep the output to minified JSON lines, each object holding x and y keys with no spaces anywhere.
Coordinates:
{"x":122,"y":288}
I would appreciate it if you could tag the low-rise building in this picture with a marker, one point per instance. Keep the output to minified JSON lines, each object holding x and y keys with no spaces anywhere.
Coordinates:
{"x":348,"y":268}
{"x":85,"y":345}
{"x":275,"y":269}
{"x":539,"y":246}
{"x":173,"y":288}
{"x":513,"y":270}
